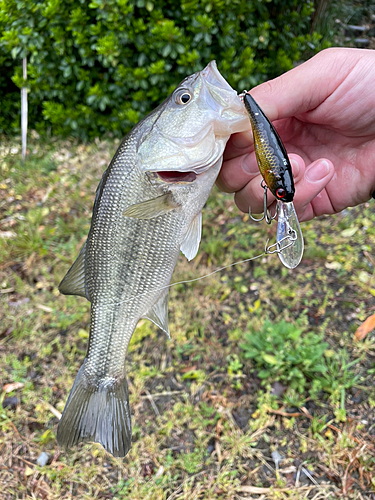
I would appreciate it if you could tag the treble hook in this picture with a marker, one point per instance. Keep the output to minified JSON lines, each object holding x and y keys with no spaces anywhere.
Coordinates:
{"x":266,"y":213}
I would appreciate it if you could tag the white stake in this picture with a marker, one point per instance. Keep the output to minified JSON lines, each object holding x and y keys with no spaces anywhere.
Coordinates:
{"x":24,"y":110}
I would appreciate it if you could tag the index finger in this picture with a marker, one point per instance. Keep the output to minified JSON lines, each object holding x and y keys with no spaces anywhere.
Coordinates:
{"x":238,"y":145}
{"x":305,"y":87}
{"x":237,"y":172}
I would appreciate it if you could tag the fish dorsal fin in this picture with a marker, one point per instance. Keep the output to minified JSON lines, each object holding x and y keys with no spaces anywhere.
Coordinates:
{"x":152,"y":208}
{"x":190,"y":245}
{"x":158,"y":314}
{"x":74,"y":281}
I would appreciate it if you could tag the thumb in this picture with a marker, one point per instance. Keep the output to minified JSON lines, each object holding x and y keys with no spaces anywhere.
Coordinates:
{"x":305,"y":87}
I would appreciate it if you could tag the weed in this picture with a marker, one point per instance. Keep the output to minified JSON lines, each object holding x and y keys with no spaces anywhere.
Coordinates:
{"x":204,"y":425}
{"x":283,"y":352}
{"x":235,"y":371}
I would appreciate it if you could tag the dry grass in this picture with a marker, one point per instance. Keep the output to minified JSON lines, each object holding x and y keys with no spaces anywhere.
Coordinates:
{"x":205,"y":426}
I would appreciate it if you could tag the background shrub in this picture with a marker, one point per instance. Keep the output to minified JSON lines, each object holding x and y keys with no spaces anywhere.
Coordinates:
{"x":98,"y":66}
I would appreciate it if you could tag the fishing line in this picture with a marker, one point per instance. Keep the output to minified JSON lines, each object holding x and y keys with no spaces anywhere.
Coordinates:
{"x":192,"y":280}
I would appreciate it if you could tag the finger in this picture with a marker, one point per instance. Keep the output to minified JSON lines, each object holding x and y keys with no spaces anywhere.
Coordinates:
{"x":311,"y":199}
{"x":238,"y":144}
{"x":251,"y":195}
{"x":305,"y":87}
{"x":237,"y":172}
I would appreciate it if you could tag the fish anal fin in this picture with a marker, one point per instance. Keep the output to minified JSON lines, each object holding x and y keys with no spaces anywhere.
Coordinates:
{"x":74,"y":281}
{"x":190,"y":245}
{"x":158,"y":314}
{"x":152,"y":208}
{"x":99,"y":413}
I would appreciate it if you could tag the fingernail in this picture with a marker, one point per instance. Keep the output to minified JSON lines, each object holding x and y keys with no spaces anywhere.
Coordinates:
{"x":318,"y":171}
{"x":295,"y":167}
{"x":249,"y":165}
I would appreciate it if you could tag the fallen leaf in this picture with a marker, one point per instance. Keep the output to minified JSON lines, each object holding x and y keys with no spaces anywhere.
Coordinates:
{"x":12,"y":387}
{"x":365,"y":328}
{"x":44,"y":308}
{"x":333,"y":265}
{"x":29,"y":471}
{"x":350,"y":231}
{"x":260,"y":491}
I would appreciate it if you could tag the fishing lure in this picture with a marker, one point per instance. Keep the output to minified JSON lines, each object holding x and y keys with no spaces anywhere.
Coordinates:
{"x":274,"y":165}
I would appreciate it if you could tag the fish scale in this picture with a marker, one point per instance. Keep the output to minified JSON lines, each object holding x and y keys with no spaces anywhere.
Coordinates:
{"x":143,"y":215}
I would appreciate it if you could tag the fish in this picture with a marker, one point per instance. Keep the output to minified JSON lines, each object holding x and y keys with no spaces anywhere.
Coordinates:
{"x":272,"y":158}
{"x":148,"y":208}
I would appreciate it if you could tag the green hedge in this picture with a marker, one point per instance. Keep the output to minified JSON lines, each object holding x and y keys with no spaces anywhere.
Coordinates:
{"x":98,"y":66}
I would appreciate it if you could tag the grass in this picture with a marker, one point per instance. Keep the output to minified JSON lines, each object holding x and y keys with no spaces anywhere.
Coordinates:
{"x":262,"y":362}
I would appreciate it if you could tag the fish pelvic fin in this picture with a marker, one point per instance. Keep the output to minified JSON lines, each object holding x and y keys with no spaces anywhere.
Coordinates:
{"x":98,"y":413}
{"x":190,"y":245}
{"x":74,"y":281}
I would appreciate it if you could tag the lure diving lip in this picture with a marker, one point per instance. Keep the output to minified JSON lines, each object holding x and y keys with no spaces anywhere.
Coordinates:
{"x":272,"y":158}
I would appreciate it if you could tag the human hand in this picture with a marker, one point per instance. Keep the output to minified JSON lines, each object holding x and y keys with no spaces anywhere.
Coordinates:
{"x":324,"y":112}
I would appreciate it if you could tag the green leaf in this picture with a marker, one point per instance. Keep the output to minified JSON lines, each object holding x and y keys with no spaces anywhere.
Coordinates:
{"x":109,"y":41}
{"x":271,"y":360}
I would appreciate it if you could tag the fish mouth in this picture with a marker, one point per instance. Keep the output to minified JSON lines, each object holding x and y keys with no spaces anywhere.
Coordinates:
{"x":173,"y":176}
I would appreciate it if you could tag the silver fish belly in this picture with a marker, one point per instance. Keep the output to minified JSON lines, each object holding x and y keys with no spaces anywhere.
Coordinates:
{"x":147,"y":208}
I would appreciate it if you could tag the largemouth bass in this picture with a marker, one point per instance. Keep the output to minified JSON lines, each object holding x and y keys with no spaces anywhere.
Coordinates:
{"x":147,"y":208}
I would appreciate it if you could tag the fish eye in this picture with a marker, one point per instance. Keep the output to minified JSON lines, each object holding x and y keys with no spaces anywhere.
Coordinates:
{"x":280,"y":193}
{"x":183,"y":97}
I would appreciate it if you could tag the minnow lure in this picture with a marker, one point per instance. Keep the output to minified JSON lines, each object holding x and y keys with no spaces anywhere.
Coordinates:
{"x":274,"y":165}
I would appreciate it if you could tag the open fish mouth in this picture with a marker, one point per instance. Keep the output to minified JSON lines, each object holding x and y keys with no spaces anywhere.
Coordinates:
{"x":173,"y":176}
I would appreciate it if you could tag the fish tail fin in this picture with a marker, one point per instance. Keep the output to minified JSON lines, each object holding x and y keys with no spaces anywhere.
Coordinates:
{"x":98,"y":413}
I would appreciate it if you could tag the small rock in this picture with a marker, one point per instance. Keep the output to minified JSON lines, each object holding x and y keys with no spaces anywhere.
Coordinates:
{"x":351,"y":30}
{"x":363,"y":42}
{"x":276,"y":457}
{"x":43,"y":459}
{"x":278,"y":389}
{"x":11,"y":403}
{"x":18,"y":303}
{"x":210,"y":449}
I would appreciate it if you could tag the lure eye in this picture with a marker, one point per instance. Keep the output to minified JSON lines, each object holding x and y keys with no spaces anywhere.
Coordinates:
{"x":183,"y":97}
{"x":280,"y":193}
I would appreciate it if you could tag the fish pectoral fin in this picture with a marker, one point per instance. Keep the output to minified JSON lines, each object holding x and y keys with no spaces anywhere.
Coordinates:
{"x":158,"y":314}
{"x":74,"y":281}
{"x":152,"y":208}
{"x":190,"y":245}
